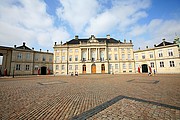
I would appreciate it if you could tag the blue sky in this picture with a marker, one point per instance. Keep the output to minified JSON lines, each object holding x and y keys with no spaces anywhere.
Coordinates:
{"x":40,"y":23}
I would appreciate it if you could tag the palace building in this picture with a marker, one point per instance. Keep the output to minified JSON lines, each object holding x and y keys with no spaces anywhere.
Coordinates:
{"x":93,"y":55}
{"x":163,"y":58}
{"x":21,"y":60}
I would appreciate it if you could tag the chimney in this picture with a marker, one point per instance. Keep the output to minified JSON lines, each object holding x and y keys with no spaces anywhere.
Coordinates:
{"x":131,"y":41}
{"x":55,"y":43}
{"x":32,"y":48}
{"x":24,"y":43}
{"x":146,"y":47}
{"x":40,"y":50}
{"x":163,"y":41}
{"x":154,"y":45}
{"x":124,"y":40}
{"x":61,"y":42}
{"x":47,"y":51}
{"x":108,"y":36}
{"x":139,"y":48}
{"x":14,"y":46}
{"x":76,"y":37}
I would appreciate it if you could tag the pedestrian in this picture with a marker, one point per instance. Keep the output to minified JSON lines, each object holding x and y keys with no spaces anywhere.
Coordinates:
{"x":154,"y":71}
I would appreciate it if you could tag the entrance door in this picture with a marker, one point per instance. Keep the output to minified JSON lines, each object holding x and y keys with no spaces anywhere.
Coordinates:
{"x":84,"y":69}
{"x":144,"y":68}
{"x":43,"y":70}
{"x":102,"y":68}
{"x":93,"y":68}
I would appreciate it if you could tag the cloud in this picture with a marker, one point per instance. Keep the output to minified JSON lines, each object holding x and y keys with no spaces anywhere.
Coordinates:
{"x":154,"y":31}
{"x":24,"y":20}
{"x":100,"y":17}
{"x":77,"y":12}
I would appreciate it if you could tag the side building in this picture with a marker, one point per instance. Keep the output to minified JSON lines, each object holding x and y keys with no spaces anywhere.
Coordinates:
{"x":93,"y":55}
{"x":163,"y":58}
{"x":22,"y":60}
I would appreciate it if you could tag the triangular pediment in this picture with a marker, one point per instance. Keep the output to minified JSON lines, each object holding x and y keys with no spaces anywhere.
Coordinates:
{"x":92,"y":39}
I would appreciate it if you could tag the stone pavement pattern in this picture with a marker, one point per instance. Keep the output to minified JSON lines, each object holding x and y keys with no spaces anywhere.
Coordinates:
{"x":66,"y":97}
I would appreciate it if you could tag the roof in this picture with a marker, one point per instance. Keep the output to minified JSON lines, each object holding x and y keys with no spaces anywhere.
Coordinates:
{"x":24,"y":47}
{"x":164,"y":43}
{"x":77,"y":41}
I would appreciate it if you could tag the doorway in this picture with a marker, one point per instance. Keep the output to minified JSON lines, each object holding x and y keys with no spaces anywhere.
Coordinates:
{"x":84,"y":69}
{"x":93,"y":68}
{"x":144,"y":68}
{"x":43,"y":70}
{"x":102,"y":68}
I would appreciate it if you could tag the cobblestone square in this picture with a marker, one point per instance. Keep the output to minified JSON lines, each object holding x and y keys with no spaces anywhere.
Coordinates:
{"x":93,"y":97}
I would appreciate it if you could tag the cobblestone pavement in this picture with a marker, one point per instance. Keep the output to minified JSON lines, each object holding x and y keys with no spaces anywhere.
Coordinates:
{"x":93,"y":97}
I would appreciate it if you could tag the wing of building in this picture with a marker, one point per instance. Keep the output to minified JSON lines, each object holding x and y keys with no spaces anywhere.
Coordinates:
{"x":21,"y":60}
{"x":93,"y":55}
{"x":163,"y":58}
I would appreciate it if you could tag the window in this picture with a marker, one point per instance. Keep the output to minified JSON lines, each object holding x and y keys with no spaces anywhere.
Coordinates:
{"x":57,"y":59}
{"x":62,"y":67}
{"x":152,"y":64}
{"x":143,"y":56}
{"x":27,"y":67}
{"x":170,"y":52}
{"x":102,"y":55}
{"x":110,"y":57}
{"x":35,"y":67}
{"x":161,"y":64}
{"x":70,"y":50}
{"x":70,"y":67}
{"x":27,"y":56}
{"x":84,"y":56}
{"x":151,"y":55}
{"x":109,"y":49}
{"x":128,"y":49}
{"x":136,"y":56}
{"x":115,"y":56}
{"x":63,"y":50}
{"x":124,"y":66}
{"x":171,"y":63}
{"x":18,"y":67}
{"x":43,"y":58}
{"x":160,"y":54}
{"x":76,"y":50}
{"x":93,"y":55}
{"x":76,"y":58}
{"x":130,"y":66}
{"x":50,"y":59}
{"x":57,"y":67}
{"x":70,"y":58}
{"x":63,"y":58}
{"x":110,"y":66}
{"x":129,"y":56}
{"x":19,"y":56}
{"x":76,"y":67}
{"x":115,"y":49}
{"x":123,"y":56}
{"x":36,"y":57}
{"x":122,"y":49}
{"x":116,"y":66}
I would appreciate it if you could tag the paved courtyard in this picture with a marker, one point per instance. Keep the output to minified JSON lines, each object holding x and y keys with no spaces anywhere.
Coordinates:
{"x":93,"y":97}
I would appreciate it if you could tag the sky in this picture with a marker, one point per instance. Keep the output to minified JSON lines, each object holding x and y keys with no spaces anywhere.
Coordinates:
{"x":40,"y":23}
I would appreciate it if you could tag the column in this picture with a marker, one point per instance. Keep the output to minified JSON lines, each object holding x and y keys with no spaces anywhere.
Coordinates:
{"x":86,"y":54}
{"x":105,"y":54}
{"x":89,"y":53}
{"x":96,"y":53}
